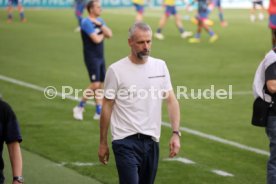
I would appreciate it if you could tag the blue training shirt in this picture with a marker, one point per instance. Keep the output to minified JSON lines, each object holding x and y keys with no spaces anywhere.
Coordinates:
{"x":91,"y":49}
{"x":202,"y":6}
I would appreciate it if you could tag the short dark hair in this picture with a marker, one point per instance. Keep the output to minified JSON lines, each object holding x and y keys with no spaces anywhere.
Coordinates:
{"x":90,"y":5}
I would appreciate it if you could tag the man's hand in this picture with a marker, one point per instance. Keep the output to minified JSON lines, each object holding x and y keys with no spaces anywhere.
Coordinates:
{"x":16,"y":182}
{"x":103,"y":153}
{"x":174,"y":145}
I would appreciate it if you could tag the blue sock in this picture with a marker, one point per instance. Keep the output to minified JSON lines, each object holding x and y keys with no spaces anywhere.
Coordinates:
{"x":9,"y":16}
{"x":21,"y":15}
{"x":211,"y":33}
{"x":98,"y":109}
{"x":81,"y":104}
{"x":197,"y":35}
{"x":221,"y":17}
{"x":181,"y":30}
{"x":159,"y":30}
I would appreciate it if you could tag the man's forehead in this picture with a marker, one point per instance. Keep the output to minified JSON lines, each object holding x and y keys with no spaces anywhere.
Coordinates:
{"x":138,"y":30}
{"x":142,"y":33}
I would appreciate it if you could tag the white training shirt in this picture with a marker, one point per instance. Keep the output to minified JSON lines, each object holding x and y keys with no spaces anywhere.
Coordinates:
{"x":259,"y":78}
{"x":138,"y":91}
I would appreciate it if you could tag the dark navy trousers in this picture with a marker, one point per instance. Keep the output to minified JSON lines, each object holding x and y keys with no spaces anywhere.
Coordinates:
{"x":2,"y":178}
{"x":271,"y":164}
{"x":136,"y":159}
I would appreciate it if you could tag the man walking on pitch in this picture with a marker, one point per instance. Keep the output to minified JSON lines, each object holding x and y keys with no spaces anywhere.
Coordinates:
{"x":134,"y":89}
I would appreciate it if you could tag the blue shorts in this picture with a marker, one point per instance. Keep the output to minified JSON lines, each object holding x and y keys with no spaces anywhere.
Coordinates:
{"x":255,"y":3}
{"x":14,"y":2}
{"x":139,"y":8}
{"x":202,"y":15}
{"x":217,"y":3}
{"x":170,"y":10}
{"x":272,"y":21}
{"x":96,"y":69}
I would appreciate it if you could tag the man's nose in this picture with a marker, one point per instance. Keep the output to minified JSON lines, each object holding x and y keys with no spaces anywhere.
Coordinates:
{"x":146,"y":45}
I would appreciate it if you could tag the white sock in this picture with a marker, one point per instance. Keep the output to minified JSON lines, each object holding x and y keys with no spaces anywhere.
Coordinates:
{"x":261,"y":16}
{"x":252,"y":18}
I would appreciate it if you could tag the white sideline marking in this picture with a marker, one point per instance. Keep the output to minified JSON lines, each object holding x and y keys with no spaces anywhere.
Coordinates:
{"x":218,"y":139}
{"x":222,"y":173}
{"x":79,"y":164}
{"x":243,"y":93}
{"x":187,"y":130}
{"x":180,"y":159}
{"x":187,"y":161}
{"x":37,"y":88}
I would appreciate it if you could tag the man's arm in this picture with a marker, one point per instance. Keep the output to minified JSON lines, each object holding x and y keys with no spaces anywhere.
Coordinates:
{"x":103,"y":152}
{"x":270,"y":78}
{"x":107,"y":32}
{"x":174,"y":114}
{"x":15,"y":158}
{"x":97,"y":38}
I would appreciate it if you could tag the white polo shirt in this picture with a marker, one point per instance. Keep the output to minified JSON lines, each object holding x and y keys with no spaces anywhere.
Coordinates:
{"x":138,"y":90}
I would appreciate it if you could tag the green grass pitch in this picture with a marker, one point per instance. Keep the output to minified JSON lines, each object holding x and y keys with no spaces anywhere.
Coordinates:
{"x":46,"y":52}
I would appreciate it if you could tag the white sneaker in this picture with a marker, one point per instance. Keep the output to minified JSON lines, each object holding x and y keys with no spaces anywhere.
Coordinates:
{"x":252,"y":18}
{"x":96,"y":116}
{"x":78,"y":113}
{"x":186,"y":34}
{"x":261,"y":16}
{"x":159,"y":36}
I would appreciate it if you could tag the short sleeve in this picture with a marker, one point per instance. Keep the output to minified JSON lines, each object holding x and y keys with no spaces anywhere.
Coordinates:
{"x":270,"y":72}
{"x":9,"y":124}
{"x":110,"y":85}
{"x":167,"y":83}
{"x":87,"y":26}
{"x":101,"y":21}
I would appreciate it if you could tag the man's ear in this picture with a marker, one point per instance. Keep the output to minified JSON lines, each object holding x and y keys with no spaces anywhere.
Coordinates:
{"x":129,"y":42}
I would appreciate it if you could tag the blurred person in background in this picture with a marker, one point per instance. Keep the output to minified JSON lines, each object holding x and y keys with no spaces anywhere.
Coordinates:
{"x":93,"y":31}
{"x":170,"y":9}
{"x":203,"y":13}
{"x":139,"y":6}
{"x":79,"y":6}
{"x":272,"y":20}
{"x":20,"y":8}
{"x":217,"y":4}
{"x":257,"y":6}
